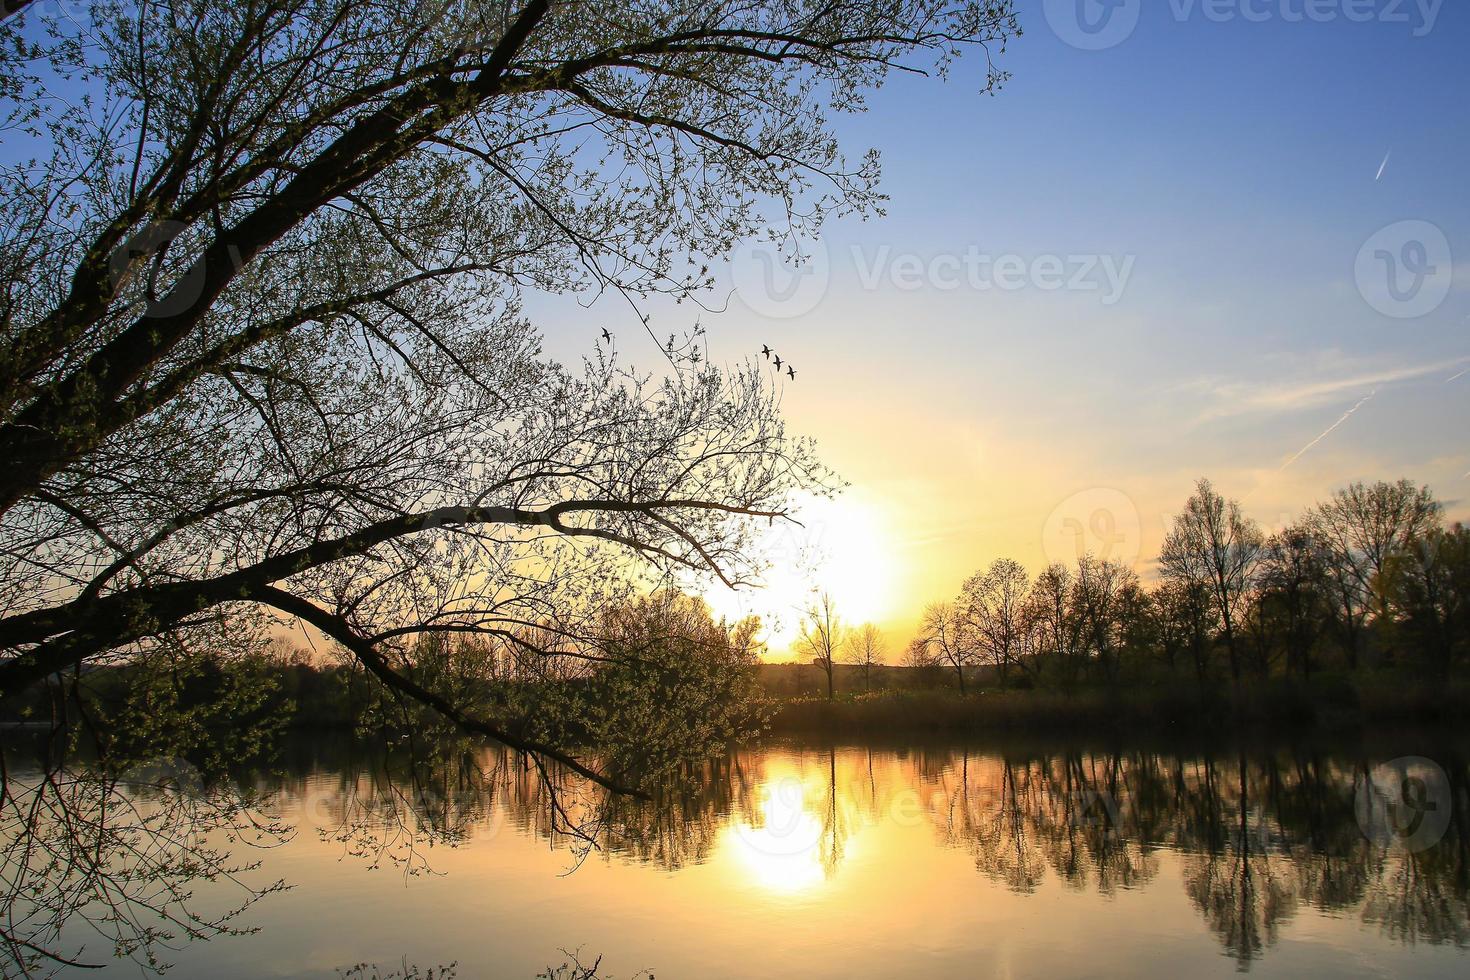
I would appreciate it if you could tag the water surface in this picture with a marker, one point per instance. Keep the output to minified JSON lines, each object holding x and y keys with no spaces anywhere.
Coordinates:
{"x":869,"y":861}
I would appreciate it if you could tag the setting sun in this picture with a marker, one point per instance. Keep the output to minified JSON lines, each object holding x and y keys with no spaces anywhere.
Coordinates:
{"x":842,"y":546}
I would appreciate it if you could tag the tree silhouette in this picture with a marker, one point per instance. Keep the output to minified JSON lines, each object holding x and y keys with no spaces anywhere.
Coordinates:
{"x":262,"y":348}
{"x":1213,"y":545}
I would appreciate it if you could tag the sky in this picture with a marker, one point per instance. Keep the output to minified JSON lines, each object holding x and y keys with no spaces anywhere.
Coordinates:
{"x":1189,"y":234}
{"x":1161,"y":251}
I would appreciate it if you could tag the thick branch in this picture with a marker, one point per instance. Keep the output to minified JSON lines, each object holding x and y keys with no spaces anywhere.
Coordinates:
{"x":340,"y":630}
{"x":67,"y":634}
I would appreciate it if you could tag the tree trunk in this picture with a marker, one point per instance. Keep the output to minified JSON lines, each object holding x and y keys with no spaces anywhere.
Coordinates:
{"x":1230,"y":649}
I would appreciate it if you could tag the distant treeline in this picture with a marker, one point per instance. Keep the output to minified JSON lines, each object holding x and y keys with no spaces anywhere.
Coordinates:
{"x":655,"y":676}
{"x":1370,"y":577}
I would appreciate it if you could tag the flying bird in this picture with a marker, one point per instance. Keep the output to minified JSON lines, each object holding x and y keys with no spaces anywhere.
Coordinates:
{"x":766,"y":350}
{"x":792,"y":372}
{"x":778,"y":362}
{"x":606,"y":336}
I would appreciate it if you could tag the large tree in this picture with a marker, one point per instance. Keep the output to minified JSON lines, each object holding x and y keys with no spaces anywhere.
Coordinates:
{"x":1050,"y":612}
{"x":1293,"y":602}
{"x":996,"y":603}
{"x":1102,"y":593}
{"x":262,"y":348}
{"x":1185,"y":624}
{"x":1429,"y":586}
{"x":1365,"y":528}
{"x":1214,"y":546}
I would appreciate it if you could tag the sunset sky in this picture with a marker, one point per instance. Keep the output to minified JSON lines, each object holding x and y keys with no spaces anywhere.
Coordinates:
{"x":1214,"y":184}
{"x":495,"y":485}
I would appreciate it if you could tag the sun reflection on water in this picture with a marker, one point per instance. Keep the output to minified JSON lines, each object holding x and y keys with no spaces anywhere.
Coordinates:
{"x":783,"y":852}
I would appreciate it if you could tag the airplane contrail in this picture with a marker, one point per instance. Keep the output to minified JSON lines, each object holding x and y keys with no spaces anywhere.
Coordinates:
{"x":1458,"y":376}
{"x":1328,"y":431}
{"x":1384,"y":165}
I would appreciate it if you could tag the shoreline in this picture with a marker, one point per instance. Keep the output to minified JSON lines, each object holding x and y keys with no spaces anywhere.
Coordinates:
{"x":1278,"y":707}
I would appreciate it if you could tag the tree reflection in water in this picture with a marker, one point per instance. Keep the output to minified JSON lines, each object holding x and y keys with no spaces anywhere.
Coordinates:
{"x":1257,"y":836}
{"x":95,"y":866}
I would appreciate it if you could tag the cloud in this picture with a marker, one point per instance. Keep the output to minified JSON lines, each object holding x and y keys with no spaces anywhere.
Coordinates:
{"x":1231,"y":399}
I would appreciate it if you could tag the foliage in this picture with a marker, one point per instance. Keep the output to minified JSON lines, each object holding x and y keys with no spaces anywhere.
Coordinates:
{"x":670,"y":686}
{"x":407,"y":971}
{"x":215,"y":710}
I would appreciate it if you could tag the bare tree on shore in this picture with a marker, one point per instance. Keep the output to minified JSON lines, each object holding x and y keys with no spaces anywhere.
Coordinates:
{"x":1364,"y":528}
{"x":950,"y":636}
{"x":996,"y":603}
{"x":864,"y":649}
{"x":822,"y":636}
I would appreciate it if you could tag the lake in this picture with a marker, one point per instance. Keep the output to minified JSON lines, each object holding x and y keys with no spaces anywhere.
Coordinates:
{"x":796,"y":859}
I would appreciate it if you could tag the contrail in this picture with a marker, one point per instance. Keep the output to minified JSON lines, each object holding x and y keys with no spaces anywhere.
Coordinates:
{"x":1384,"y":165}
{"x":1458,"y":376}
{"x":1328,"y":431}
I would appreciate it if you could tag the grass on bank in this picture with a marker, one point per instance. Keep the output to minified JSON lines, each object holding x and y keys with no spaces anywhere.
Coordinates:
{"x":1333,"y":702}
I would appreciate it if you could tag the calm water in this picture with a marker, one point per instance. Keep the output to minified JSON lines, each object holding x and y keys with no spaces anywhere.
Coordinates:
{"x":857,"y":861}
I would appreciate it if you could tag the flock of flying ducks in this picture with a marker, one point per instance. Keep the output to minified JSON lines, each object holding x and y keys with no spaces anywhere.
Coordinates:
{"x":790,"y":371}
{"x":765,"y":349}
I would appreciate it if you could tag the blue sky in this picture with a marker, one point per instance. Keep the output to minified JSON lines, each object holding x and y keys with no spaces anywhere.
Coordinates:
{"x":1236,"y":163}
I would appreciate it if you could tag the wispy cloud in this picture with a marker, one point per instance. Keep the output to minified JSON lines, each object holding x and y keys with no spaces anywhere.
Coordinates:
{"x":1230,"y":398}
